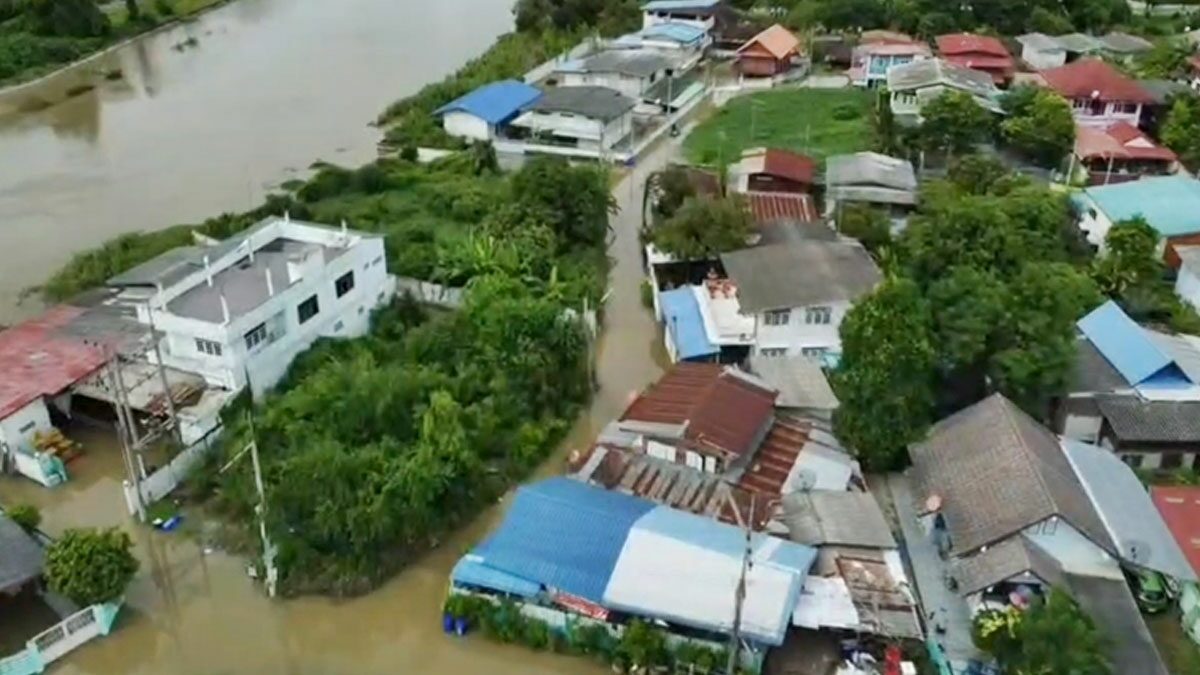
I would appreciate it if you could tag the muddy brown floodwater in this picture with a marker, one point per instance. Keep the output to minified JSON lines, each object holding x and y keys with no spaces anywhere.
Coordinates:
{"x":272,"y":85}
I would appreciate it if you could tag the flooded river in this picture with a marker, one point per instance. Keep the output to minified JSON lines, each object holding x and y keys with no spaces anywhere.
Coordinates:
{"x":272,"y":85}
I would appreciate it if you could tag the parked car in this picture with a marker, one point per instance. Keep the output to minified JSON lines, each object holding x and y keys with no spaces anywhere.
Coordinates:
{"x":1150,"y":591}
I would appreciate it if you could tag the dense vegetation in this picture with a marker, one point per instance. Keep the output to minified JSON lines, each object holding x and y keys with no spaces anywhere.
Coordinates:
{"x":817,"y":122}
{"x":37,"y":36}
{"x":1033,"y":640}
{"x":91,"y":566}
{"x":987,"y":283}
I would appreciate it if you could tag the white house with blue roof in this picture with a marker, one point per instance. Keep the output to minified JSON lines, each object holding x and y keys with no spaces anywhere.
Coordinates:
{"x":1134,"y":391}
{"x":683,"y":42}
{"x":479,"y":115}
{"x":1170,"y":204}
{"x":699,"y":13}
{"x":573,"y":553}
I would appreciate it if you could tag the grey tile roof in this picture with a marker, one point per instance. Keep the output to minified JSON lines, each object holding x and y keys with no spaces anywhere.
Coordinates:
{"x":870,"y":177}
{"x":800,"y":273}
{"x":1124,"y":43}
{"x":1133,"y":420}
{"x":997,"y":471}
{"x":931,"y":72}
{"x":599,"y":103}
{"x":1012,"y":557}
{"x":799,"y":379}
{"x":836,"y":517}
{"x":632,"y":62}
{"x":1091,"y":372}
{"x":21,"y":557}
{"x":1133,"y":522}
{"x":1079,"y":43}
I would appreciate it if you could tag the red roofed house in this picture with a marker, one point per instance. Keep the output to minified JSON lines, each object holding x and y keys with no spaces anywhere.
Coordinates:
{"x":1179,"y":506}
{"x":1120,"y":152}
{"x":771,"y":52}
{"x":1099,"y":94}
{"x":978,"y":52}
{"x":773,"y":170}
{"x":38,"y":361}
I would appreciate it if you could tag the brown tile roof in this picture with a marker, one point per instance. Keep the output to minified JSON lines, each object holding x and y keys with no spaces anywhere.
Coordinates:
{"x":1091,"y":77}
{"x":723,"y":412}
{"x":773,"y":462}
{"x":996,"y":471}
{"x":1012,"y":557}
{"x":768,"y":207}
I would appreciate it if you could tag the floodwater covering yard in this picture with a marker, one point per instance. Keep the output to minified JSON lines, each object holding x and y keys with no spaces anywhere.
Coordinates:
{"x":817,"y":122}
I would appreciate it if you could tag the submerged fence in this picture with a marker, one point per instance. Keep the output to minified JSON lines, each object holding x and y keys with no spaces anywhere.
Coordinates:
{"x":59,"y":640}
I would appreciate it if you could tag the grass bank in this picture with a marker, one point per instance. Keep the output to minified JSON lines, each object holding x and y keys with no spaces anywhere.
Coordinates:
{"x":27,"y":53}
{"x":817,"y":122}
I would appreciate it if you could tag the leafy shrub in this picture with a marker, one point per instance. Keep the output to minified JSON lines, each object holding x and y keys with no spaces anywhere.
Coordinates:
{"x":91,"y":566}
{"x":26,"y":515}
{"x":846,"y":111}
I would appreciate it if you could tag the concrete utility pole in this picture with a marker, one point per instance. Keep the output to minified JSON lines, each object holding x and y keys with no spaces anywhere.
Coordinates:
{"x":735,"y":641}
{"x":260,"y":510}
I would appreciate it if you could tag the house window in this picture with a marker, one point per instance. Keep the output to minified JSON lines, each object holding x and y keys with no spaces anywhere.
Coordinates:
{"x":818,"y":315}
{"x":1124,"y":108}
{"x":337,"y":327}
{"x":27,"y":427}
{"x":773,"y":352}
{"x":308,"y":309}
{"x":777,"y":317}
{"x":256,"y":336}
{"x":344,"y":283}
{"x":208,"y":347}
{"x":1171,"y":460}
{"x":813,"y":352}
{"x":1134,"y":461}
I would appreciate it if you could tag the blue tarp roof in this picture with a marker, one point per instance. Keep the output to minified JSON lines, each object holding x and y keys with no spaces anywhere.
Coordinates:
{"x":682,"y":315}
{"x":495,"y":103}
{"x":672,"y":30}
{"x":1127,"y":347}
{"x":1171,"y":204}
{"x":667,"y":5}
{"x":564,"y":534}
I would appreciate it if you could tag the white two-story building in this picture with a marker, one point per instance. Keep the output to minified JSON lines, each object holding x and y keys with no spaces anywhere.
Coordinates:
{"x":238,"y":311}
{"x":795,"y":294}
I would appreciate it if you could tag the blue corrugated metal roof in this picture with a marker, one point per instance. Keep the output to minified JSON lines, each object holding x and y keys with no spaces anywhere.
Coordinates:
{"x":563,"y":534}
{"x":682,"y":315}
{"x":495,"y":103}
{"x":673,"y":30}
{"x":1171,"y":204}
{"x":667,"y":5}
{"x":471,"y":569}
{"x":1126,"y":346}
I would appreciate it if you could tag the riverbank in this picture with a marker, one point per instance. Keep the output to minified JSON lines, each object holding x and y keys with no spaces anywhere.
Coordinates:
{"x":123,"y":33}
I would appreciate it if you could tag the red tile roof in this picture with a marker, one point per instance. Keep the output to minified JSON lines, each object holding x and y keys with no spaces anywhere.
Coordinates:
{"x":1086,"y":78}
{"x":767,"y":207}
{"x":725,"y":414}
{"x":776,"y":41}
{"x":778,"y":452}
{"x":969,"y":43}
{"x":36,"y":360}
{"x":790,"y":165}
{"x":1120,"y":141}
{"x":1180,"y":509}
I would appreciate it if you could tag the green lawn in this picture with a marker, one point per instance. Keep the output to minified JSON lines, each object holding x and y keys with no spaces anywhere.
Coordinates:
{"x":818,"y":122}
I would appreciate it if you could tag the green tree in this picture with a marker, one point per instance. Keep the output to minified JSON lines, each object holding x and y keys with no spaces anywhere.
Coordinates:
{"x":953,"y":122}
{"x":91,"y":566}
{"x":884,"y":382}
{"x":1167,"y":60}
{"x":668,"y":190}
{"x":1053,"y":637}
{"x":1039,"y":125}
{"x":865,"y":223}
{"x":573,"y":201}
{"x":703,"y":228}
{"x":134,"y":9}
{"x":1129,"y":260}
{"x":1049,"y":21}
{"x":978,"y":174}
{"x":69,"y":18}
{"x":1181,"y":129}
{"x":483,"y":158}
{"x":25,"y":515}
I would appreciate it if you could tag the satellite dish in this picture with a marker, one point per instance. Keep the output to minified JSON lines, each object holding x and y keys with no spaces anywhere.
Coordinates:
{"x":806,"y":480}
{"x":1136,"y":551}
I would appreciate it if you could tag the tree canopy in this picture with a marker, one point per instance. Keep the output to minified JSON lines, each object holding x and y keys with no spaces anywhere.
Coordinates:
{"x":573,"y":201}
{"x":1039,"y":125}
{"x":954,"y":122}
{"x":703,"y":228}
{"x":91,"y":566}
{"x":1053,"y":637}
{"x":1181,"y":129}
{"x":610,"y":17}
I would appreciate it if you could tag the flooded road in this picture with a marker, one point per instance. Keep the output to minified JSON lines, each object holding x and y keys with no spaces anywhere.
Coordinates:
{"x":195,"y":613}
{"x":191,"y":131}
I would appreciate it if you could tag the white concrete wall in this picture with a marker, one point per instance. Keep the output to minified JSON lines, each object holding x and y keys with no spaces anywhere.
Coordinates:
{"x":589,"y":133}
{"x":796,"y":334}
{"x":1081,"y":110}
{"x":1094,"y":223}
{"x":164,"y":480}
{"x":1187,"y":286}
{"x":1041,"y":60}
{"x":465,"y":125}
{"x":17,"y":430}
{"x":348,"y":316}
{"x":655,"y":18}
{"x":633,"y":87}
